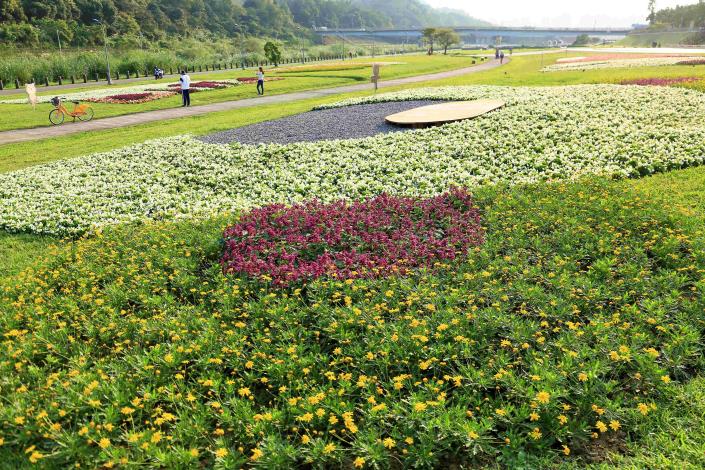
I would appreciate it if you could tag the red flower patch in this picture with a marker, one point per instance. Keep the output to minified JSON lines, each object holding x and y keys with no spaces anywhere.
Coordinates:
{"x":133,"y":98}
{"x":660,"y":81}
{"x":254,"y":79}
{"x":381,"y":236}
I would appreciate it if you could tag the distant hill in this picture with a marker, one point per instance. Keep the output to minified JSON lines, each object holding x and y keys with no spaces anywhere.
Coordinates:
{"x":415,"y":14}
{"x":44,"y":22}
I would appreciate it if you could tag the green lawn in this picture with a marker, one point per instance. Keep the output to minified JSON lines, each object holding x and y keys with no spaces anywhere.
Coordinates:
{"x":297,"y":78}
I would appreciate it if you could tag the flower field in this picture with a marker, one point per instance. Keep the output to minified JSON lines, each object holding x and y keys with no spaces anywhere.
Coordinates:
{"x":588,"y":63}
{"x":564,"y":333}
{"x":543,"y":134}
{"x":660,"y":81}
{"x":107,"y":95}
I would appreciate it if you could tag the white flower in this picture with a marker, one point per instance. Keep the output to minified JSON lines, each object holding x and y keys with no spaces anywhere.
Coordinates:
{"x":543,"y":134}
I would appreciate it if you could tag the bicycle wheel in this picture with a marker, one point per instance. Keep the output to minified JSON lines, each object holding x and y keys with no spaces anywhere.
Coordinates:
{"x":56,"y":117}
{"x":87,"y":115}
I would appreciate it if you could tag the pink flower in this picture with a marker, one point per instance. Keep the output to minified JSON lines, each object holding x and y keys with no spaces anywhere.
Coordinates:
{"x":381,"y":236}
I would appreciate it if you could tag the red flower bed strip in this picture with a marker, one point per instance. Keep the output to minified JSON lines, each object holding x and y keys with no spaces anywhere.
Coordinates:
{"x":660,"y":81}
{"x":254,"y":79}
{"x":373,"y":238}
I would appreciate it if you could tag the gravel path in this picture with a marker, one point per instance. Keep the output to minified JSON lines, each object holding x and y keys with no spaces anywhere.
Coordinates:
{"x":349,"y":122}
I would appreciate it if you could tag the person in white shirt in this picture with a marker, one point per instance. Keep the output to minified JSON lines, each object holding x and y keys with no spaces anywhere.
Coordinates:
{"x":185,"y":88}
{"x":260,"y":81}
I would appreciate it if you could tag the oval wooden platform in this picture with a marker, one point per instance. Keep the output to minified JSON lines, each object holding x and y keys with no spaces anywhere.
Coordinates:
{"x":437,"y":114}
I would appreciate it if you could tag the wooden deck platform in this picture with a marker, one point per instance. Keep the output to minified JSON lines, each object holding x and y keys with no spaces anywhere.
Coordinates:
{"x":437,"y":114}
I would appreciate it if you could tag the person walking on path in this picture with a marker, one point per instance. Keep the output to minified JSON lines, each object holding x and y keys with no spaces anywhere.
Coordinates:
{"x":501,"y":57}
{"x":185,"y":88}
{"x":260,"y":82}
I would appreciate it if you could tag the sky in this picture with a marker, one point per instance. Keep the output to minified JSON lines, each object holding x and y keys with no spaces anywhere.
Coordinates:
{"x":566,"y":13}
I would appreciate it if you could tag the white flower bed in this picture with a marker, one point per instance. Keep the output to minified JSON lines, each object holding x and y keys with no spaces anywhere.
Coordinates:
{"x":616,"y":64}
{"x":104,"y":92}
{"x":542,"y":134}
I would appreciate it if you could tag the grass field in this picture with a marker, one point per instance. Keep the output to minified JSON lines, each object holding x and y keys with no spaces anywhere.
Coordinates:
{"x":296,"y":78}
{"x":131,"y":347}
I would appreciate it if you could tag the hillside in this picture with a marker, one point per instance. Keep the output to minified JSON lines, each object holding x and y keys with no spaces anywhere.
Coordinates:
{"x":682,"y":18}
{"x":41,"y":23}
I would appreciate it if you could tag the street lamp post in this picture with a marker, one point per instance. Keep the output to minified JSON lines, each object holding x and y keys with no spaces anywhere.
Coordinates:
{"x":105,"y":42}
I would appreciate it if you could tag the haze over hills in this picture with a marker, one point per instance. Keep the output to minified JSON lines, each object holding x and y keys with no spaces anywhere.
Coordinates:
{"x":560,"y":13}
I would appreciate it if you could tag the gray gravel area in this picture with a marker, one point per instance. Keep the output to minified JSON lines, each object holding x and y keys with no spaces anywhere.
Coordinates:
{"x":349,"y":122}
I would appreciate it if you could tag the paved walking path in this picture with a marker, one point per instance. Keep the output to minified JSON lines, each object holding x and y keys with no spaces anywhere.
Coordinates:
{"x":24,"y":135}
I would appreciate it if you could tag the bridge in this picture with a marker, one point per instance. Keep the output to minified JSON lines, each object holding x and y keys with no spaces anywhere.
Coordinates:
{"x":483,"y":35}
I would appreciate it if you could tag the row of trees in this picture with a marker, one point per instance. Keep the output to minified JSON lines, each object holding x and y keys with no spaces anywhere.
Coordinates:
{"x":71,"y":22}
{"x":444,"y":37}
{"x":686,"y":16}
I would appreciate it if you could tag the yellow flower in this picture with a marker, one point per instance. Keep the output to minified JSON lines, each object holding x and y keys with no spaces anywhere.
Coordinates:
{"x":665,"y":379}
{"x":156,"y":437}
{"x":643,"y":409}
{"x":614,"y":424}
{"x":305,"y":439}
{"x":359,"y":462}
{"x":534,"y":416}
{"x":536,"y":434}
{"x":389,"y":443}
{"x":222,"y":452}
{"x":582,"y":377}
{"x":244,"y":392}
{"x":2,"y":441}
{"x":473,"y":435}
{"x":602,"y":427}
{"x":193,"y":452}
{"x":329,"y":448}
{"x":543,"y":397}
{"x":256,"y":454}
{"x":420,"y":406}
{"x":566,"y":450}
{"x":104,"y":443}
{"x":562,"y":419}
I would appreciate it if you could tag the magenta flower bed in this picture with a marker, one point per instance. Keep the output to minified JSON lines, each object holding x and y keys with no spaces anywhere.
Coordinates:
{"x":660,"y":81}
{"x":381,"y":236}
{"x":204,"y":84}
{"x":129,"y":96}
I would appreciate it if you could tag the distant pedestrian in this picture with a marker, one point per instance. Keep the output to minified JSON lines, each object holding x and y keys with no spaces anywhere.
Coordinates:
{"x":501,"y":57}
{"x":185,"y":88}
{"x":496,"y":54}
{"x":260,"y":81}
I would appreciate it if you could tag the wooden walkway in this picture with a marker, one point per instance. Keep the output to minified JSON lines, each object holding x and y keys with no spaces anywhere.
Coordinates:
{"x":25,"y":135}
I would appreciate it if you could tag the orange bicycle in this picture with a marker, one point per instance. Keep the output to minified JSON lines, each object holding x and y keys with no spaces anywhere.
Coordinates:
{"x":81,"y":111}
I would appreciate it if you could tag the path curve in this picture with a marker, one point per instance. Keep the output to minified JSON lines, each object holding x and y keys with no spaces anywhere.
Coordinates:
{"x":25,"y":135}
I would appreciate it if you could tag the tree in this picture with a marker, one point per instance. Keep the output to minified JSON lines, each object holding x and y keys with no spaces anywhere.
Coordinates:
{"x":652,"y":12}
{"x":272,"y":52}
{"x":447,"y":37}
{"x":429,"y":37}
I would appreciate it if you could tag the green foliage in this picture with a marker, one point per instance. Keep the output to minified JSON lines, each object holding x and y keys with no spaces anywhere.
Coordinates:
{"x":272,"y":52}
{"x":447,"y":37}
{"x":131,"y":344}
